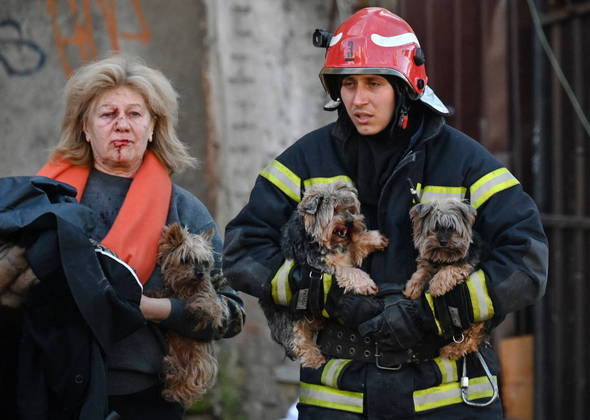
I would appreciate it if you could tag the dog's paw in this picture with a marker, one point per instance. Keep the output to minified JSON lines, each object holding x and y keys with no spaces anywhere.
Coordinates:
{"x":413,"y":290}
{"x":313,"y":359}
{"x":364,"y":286}
{"x":377,"y":240}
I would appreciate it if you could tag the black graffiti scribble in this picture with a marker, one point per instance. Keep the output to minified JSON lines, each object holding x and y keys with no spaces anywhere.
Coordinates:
{"x":20,"y":57}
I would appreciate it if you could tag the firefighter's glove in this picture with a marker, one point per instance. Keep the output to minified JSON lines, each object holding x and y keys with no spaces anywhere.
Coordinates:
{"x":453,"y":310}
{"x":352,"y":310}
{"x":307,"y":286}
{"x":400,"y":326}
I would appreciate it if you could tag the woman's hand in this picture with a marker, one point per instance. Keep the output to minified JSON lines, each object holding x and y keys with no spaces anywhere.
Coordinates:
{"x":155,"y":309}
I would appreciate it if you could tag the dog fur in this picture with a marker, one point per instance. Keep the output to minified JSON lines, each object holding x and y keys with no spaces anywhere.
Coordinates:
{"x":326,"y":232}
{"x":189,"y":367}
{"x":448,"y":250}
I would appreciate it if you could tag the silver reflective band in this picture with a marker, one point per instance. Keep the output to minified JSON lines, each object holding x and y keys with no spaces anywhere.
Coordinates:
{"x":483,"y":308}
{"x":439,"y":193}
{"x":490,"y":184}
{"x":332,"y":371}
{"x":284,"y":179}
{"x":327,"y":397}
{"x":447,"y":394}
{"x":281,"y":291}
{"x":448,"y":369}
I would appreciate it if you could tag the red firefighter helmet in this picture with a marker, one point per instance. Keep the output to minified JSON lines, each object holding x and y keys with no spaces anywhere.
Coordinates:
{"x":376,"y":41}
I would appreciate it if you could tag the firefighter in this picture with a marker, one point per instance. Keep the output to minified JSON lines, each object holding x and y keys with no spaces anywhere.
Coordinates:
{"x":391,"y":140}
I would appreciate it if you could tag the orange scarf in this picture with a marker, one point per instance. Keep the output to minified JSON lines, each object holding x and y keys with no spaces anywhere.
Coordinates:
{"x":137,"y":228}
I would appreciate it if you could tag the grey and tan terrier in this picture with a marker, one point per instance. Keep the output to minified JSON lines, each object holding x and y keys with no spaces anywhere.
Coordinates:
{"x":328,"y":233}
{"x":448,"y":251}
{"x":186,"y":259}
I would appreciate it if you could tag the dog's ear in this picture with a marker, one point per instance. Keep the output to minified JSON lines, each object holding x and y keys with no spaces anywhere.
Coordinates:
{"x":173,"y":235}
{"x":311,"y":204}
{"x":468,"y":213}
{"x":420,"y":210}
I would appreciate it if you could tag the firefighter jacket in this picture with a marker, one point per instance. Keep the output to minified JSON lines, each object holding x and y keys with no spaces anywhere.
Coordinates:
{"x":441,"y":162}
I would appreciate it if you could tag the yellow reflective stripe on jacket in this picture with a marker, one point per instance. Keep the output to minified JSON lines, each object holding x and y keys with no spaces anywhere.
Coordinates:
{"x":327,"y":397}
{"x":327,"y":285}
{"x":332,"y":371}
{"x":283,"y":179}
{"x":430,"y":301}
{"x":490,"y":184}
{"x":483,"y":308}
{"x":447,"y":368}
{"x":437,"y":193}
{"x":447,"y":394}
{"x":314,"y":181}
{"x":281,"y":290}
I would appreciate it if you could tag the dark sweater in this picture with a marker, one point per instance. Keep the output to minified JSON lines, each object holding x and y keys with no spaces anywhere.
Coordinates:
{"x":135,"y":362}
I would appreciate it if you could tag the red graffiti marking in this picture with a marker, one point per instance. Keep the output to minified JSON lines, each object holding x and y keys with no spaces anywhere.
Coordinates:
{"x":82,"y":34}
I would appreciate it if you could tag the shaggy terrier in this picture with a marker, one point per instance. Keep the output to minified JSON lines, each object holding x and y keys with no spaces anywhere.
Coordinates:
{"x":189,"y":367}
{"x":328,"y":233}
{"x":448,"y":251}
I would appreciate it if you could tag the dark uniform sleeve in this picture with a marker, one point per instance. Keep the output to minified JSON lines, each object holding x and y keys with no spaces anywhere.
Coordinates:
{"x":514,"y":274}
{"x":252,"y":257}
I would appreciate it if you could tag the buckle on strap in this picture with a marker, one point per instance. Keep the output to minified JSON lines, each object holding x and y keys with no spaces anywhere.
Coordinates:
{"x":378,"y":356}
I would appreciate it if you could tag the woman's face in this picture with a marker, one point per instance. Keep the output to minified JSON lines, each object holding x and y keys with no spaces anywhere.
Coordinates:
{"x":119,"y":128}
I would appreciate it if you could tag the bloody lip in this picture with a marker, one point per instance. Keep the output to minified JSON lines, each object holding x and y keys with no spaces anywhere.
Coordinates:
{"x":120,"y":143}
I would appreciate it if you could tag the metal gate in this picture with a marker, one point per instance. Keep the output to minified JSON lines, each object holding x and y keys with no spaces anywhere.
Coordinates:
{"x":561,"y":177}
{"x":486,"y":60}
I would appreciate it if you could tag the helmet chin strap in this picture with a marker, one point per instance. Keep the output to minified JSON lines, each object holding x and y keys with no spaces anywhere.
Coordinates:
{"x":402,"y":106}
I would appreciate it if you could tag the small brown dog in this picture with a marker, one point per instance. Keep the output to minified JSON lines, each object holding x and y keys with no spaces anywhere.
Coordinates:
{"x":326,"y":232}
{"x":444,"y":237}
{"x":190,"y":366}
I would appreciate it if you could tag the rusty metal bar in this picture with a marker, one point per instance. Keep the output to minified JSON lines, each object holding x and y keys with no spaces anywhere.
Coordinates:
{"x":564,"y":221}
{"x":516,"y":162}
{"x":580,"y":356}
{"x":540,"y":183}
{"x":458,"y":59}
{"x":567,"y":12}
{"x":557,"y":260}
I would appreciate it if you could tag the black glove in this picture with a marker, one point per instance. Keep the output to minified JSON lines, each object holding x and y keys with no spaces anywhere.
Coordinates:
{"x":352,"y":310}
{"x":401,"y":325}
{"x":307,"y":286}
{"x":453,"y":310}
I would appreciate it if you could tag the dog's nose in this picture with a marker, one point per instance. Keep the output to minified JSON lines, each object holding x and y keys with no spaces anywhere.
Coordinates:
{"x":443,"y":238}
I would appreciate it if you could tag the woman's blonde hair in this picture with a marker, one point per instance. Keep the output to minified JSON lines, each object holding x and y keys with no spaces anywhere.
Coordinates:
{"x":89,"y":81}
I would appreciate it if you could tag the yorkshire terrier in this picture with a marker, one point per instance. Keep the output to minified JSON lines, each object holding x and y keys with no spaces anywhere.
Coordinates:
{"x":189,"y":367}
{"x":448,"y":250}
{"x":326,"y":232}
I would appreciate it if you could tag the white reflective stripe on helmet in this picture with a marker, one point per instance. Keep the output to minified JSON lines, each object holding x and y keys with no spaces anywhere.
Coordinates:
{"x":332,"y":371}
{"x":394,"y":41}
{"x":335,"y":39}
{"x":327,"y":397}
{"x":447,"y":394}
{"x":281,"y":290}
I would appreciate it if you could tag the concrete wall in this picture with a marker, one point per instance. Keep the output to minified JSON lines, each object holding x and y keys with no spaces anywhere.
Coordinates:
{"x":264,"y":78}
{"x":42,"y":42}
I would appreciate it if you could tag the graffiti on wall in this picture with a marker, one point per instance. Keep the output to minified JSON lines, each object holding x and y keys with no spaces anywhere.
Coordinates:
{"x":18,"y":56}
{"x":81,"y":33}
